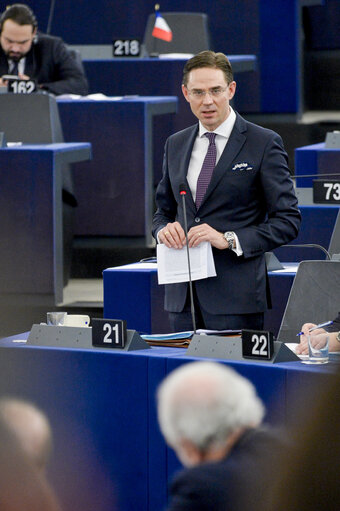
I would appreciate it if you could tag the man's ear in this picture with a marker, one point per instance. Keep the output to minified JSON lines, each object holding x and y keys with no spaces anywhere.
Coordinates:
{"x":188,"y":453}
{"x":231,"y":90}
{"x":185,"y":93}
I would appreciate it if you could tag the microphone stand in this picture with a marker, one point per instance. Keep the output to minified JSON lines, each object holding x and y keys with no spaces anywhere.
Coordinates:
{"x":183,"y":194}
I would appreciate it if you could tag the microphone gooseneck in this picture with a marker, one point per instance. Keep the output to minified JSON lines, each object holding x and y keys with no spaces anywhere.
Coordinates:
{"x":182,"y":191}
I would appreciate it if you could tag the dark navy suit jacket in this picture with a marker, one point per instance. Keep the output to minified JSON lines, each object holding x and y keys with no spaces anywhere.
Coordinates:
{"x":53,"y":66}
{"x":250,"y":193}
{"x":236,"y":483}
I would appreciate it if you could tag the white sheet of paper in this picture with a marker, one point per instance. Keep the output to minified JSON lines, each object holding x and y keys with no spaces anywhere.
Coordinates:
{"x":292,"y":346}
{"x":135,"y":266}
{"x":172,"y":263}
{"x":185,"y":56}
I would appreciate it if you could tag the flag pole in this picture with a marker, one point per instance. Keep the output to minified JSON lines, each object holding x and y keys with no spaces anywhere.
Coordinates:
{"x":154,"y":53}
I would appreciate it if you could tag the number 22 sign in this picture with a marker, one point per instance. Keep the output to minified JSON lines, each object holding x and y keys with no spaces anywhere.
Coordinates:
{"x":257,"y":344}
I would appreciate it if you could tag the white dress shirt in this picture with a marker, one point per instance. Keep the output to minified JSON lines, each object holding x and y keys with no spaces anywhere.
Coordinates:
{"x":200,"y":148}
{"x":21,"y":65}
{"x":199,"y":151}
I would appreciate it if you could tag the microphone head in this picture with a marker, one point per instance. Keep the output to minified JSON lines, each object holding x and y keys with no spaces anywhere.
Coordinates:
{"x":182,"y":189}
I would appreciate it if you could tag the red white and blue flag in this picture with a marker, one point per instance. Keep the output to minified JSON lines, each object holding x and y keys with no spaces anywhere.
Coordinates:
{"x":161,"y":30}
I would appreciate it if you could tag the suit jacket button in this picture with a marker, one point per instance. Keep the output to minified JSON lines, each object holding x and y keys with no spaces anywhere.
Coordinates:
{"x":197,"y":220}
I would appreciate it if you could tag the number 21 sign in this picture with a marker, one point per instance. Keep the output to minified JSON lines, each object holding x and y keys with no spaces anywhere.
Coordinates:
{"x":108,"y":333}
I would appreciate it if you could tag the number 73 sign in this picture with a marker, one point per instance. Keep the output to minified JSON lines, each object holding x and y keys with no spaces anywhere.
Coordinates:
{"x":326,"y":192}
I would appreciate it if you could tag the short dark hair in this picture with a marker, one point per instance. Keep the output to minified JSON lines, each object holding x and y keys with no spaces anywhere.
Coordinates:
{"x":208,"y":59}
{"x":20,"y":14}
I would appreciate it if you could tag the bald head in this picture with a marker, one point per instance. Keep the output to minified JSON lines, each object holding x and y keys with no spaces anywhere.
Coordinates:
{"x":31,"y":427}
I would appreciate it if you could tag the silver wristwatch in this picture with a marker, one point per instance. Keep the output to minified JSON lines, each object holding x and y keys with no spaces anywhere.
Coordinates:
{"x":338,"y":337}
{"x":229,"y":236}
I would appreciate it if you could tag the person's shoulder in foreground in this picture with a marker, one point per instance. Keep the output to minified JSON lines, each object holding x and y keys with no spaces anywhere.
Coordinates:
{"x":233,"y":483}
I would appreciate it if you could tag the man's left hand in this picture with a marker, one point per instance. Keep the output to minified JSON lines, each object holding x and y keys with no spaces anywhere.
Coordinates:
{"x":23,"y":77}
{"x":204,"y":232}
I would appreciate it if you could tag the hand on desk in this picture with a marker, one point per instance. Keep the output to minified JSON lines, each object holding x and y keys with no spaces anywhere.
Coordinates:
{"x":21,"y":76}
{"x":302,"y":348}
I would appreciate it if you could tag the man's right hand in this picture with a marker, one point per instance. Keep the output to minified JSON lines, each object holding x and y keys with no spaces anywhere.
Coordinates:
{"x":21,"y":76}
{"x":302,"y":348}
{"x":172,"y":235}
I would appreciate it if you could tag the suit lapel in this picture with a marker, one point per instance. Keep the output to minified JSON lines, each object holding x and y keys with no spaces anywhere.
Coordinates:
{"x":3,"y":64}
{"x":29,"y":64}
{"x":232,"y":148}
{"x":184,"y":164}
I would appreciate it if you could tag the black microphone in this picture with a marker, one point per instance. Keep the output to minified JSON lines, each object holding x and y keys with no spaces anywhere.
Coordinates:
{"x":309,"y":245}
{"x":50,"y":16}
{"x":182,"y":191}
{"x":316,"y":176}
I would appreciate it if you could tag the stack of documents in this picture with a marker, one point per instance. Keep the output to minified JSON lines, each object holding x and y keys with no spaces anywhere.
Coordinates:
{"x":182,"y":339}
{"x":177,"y":340}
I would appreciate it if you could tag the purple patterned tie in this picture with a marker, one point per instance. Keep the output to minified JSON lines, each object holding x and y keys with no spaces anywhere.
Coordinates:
{"x":207,"y":169}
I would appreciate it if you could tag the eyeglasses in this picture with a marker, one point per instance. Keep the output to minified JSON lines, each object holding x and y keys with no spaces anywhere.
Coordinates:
{"x":200,"y":94}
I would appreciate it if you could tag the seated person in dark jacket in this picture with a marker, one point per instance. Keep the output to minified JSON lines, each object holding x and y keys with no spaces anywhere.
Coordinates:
{"x":211,"y":416}
{"x":334,"y":336}
{"x":43,"y":58}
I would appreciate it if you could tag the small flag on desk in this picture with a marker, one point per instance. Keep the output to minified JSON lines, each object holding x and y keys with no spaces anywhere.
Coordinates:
{"x":161,"y":30}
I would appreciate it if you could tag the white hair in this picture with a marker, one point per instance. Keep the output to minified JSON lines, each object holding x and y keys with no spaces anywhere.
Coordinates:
{"x":205,"y":402}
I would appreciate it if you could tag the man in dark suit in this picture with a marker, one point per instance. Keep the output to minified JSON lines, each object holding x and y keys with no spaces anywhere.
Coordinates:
{"x":29,"y":54}
{"x":240,"y":198}
{"x":211,"y":417}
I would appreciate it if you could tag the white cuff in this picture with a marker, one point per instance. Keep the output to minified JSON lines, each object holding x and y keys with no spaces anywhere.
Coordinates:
{"x":238,"y":249}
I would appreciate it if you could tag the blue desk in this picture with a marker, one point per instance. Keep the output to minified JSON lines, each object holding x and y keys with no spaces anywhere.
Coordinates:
{"x":272,"y":31}
{"x":115,"y":190}
{"x":31,"y":255}
{"x":316,"y":160}
{"x":316,"y":227}
{"x":132,"y":293}
{"x":158,"y":77}
{"x":109,"y":453}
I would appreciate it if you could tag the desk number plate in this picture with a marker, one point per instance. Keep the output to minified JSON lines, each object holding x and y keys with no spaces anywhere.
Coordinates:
{"x":21,"y":86}
{"x":257,"y":344}
{"x":108,"y":333}
{"x":126,"y":48}
{"x":326,"y":191}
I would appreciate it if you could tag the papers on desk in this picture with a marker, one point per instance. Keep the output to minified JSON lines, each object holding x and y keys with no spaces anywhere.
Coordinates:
{"x":135,"y":266}
{"x":292,"y":346}
{"x":98,"y":96}
{"x":172,"y":263}
{"x":176,"y":340}
{"x":182,"y":339}
{"x":184,"y":56}
{"x":287,"y":268}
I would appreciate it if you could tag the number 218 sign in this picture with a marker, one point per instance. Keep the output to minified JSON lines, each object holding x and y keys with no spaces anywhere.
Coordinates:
{"x":108,"y":333}
{"x":257,"y":344}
